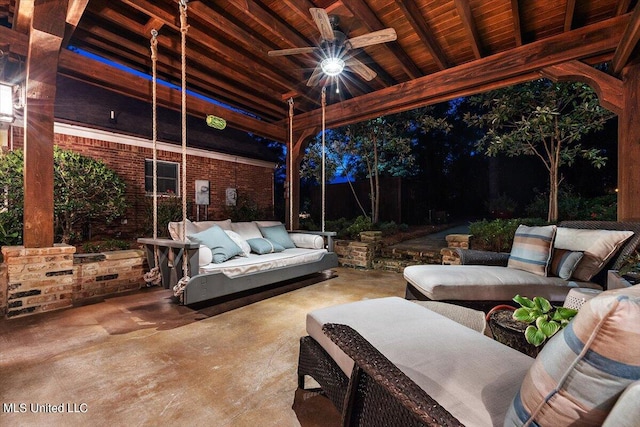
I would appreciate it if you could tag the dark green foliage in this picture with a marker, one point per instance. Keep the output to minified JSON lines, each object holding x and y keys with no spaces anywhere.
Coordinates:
{"x":85,"y":191}
{"x":246,"y":209}
{"x":107,"y":245}
{"x":10,"y":229}
{"x":169,"y":209}
{"x":350,"y":229}
{"x":497,"y":235}
{"x":572,"y":206}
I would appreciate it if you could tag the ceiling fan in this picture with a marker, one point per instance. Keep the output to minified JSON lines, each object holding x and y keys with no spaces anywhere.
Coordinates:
{"x":335,"y":50}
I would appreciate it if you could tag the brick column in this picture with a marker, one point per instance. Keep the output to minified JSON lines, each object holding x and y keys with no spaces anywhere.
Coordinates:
{"x":38,"y":279}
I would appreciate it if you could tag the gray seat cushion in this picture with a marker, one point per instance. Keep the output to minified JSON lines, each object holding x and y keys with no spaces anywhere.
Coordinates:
{"x":469,"y":374}
{"x":486,"y":283}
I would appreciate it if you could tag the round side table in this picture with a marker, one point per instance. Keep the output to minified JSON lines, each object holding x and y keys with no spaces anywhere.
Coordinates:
{"x":508,"y":331}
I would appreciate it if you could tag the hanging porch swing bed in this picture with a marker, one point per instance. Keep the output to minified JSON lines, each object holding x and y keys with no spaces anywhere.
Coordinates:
{"x":307,"y":253}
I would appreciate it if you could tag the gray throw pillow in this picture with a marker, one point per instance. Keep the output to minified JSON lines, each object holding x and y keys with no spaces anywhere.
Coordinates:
{"x":263,"y":246}
{"x":221,"y":245}
{"x":278,"y":234}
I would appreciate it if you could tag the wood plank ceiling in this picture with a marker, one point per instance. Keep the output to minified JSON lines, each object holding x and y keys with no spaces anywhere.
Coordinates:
{"x":228,"y":41}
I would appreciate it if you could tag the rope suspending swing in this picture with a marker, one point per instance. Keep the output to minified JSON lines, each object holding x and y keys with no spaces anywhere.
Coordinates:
{"x":324,"y":104}
{"x":154,"y":277}
{"x":290,"y":165}
{"x":178,"y":289}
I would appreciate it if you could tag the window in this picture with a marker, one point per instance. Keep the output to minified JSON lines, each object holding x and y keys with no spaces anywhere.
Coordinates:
{"x":168,"y":177}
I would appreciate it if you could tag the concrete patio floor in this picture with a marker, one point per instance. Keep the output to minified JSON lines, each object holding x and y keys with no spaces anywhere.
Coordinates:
{"x":143,"y":360}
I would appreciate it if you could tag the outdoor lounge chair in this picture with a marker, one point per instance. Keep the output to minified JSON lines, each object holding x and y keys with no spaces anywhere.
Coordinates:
{"x":486,"y":279}
{"x":427,"y":370}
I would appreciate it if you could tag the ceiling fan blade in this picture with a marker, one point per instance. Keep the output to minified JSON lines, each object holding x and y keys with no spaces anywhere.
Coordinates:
{"x":292,"y":51}
{"x":358,"y":67}
{"x":381,"y":36}
{"x":321,"y":18}
{"x":315,"y":76}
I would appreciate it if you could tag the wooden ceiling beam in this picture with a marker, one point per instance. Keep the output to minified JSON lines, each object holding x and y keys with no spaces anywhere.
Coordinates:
{"x":371,"y":21}
{"x":79,"y":67}
{"x":226,"y":56}
{"x":412,"y":14}
{"x":284,"y":35}
{"x":628,"y":43}
{"x":469,"y":23}
{"x":82,"y":68}
{"x":153,"y":24}
{"x":256,"y":50}
{"x":169,"y":66}
{"x":592,"y":40}
{"x":200,"y":60}
{"x":607,"y":87}
{"x":74,"y":13}
{"x":517,"y":29}
{"x":22,"y":16}
{"x":568,"y":15}
{"x":622,"y":7}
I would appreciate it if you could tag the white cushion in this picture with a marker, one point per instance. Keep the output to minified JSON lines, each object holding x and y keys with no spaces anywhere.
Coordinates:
{"x":246,"y":230}
{"x":308,"y":241}
{"x":486,"y":283}
{"x":205,"y":256}
{"x":175,"y":229}
{"x":203,"y":225}
{"x":455,"y":365}
{"x":238,"y":240}
{"x":598,"y":247}
{"x":267,"y":223}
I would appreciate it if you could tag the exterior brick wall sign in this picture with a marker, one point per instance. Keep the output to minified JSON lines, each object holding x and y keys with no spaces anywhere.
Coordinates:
{"x":253,"y":179}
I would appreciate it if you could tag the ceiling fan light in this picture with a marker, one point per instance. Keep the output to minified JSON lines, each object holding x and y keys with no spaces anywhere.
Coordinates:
{"x":332,"y":66}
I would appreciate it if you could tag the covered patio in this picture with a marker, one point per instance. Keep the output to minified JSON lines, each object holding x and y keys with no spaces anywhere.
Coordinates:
{"x":141,"y":357}
{"x":443,"y":50}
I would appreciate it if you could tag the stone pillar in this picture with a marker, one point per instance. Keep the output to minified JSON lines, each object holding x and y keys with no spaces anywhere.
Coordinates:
{"x":454,"y":241}
{"x":38,"y":279}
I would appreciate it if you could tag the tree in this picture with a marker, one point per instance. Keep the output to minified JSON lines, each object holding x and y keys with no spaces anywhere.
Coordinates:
{"x":85,"y":190}
{"x":371,"y":149}
{"x":542,"y":119}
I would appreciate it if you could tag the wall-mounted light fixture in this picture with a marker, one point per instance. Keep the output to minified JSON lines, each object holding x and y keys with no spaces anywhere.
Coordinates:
{"x":6,"y":103}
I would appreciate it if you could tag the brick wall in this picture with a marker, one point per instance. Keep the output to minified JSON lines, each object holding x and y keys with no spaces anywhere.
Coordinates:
{"x":36,"y":280}
{"x":253,"y":182}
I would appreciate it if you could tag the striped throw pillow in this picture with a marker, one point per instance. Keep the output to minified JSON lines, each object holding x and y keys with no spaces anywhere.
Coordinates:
{"x":564,"y":262}
{"x":531,"y":250}
{"x":580,"y":373}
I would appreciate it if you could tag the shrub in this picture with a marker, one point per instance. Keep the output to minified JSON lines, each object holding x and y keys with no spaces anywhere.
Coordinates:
{"x":169,"y":209}
{"x":85,"y":190}
{"x":497,"y":235}
{"x":572,"y":206}
{"x":107,"y":245}
{"x":246,"y":209}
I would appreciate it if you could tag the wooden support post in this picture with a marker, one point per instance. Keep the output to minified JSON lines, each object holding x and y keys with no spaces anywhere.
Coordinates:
{"x":629,"y":147}
{"x":45,"y":38}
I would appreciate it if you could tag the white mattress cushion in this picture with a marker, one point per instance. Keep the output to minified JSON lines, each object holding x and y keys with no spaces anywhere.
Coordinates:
{"x":306,"y":240}
{"x":246,"y":230}
{"x":486,"y":283}
{"x":254,"y":263}
{"x":468,"y":373}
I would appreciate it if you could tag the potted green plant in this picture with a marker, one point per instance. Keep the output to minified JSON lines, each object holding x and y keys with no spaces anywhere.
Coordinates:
{"x":630,"y":269}
{"x":543,"y":318}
